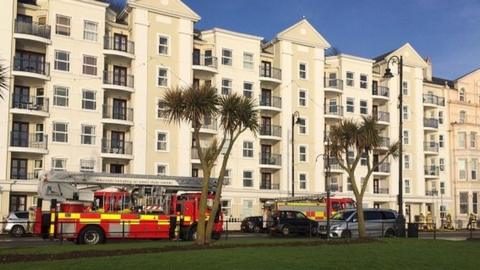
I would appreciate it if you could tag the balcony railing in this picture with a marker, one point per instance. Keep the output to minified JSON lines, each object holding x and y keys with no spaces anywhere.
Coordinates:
{"x":205,"y":60}
{"x":270,"y":72}
{"x":117,"y":113}
{"x":270,"y":159}
{"x":336,"y":188}
{"x":334,"y":110}
{"x":384,"y":142}
{"x":30,"y":2}
{"x":211,"y":124}
{"x":383,"y":168}
{"x":333,"y":163}
{"x":18,"y":175}
{"x":269,"y":186}
{"x":32,"y":103}
{"x":432,"y":170}
{"x":33,"y":28}
{"x":433,"y":99}
{"x":430,"y":122}
{"x":383,"y":116}
{"x":271,"y":130}
{"x":431,"y":192}
{"x":380,"y":190}
{"x":110,"y":43}
{"x":26,"y":64}
{"x":110,"y":77}
{"x":430,"y":146}
{"x":116,"y":147}
{"x":271,"y":101}
{"x":34,"y":140}
{"x":382,"y":91}
{"x":333,"y":83}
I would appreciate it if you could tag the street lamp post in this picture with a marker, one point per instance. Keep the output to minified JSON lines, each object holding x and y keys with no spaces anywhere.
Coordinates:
{"x":295,"y":120}
{"x":326,"y":161}
{"x":388,"y":74}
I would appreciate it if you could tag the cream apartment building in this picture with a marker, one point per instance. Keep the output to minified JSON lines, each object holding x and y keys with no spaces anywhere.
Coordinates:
{"x":86,"y":84}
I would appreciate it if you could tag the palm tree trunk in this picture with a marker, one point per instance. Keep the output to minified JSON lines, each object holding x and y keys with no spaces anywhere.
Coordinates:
{"x":360,"y":217}
{"x":203,"y":207}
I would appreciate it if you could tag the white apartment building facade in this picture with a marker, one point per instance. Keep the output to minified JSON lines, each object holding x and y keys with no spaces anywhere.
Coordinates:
{"x":95,"y":106}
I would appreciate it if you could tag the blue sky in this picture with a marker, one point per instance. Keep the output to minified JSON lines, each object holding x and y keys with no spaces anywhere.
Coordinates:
{"x":448,"y":31}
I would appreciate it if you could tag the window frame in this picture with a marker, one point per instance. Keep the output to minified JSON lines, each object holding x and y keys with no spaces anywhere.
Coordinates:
{"x":248,"y":65}
{"x":350,"y":103}
{"x":304,"y":181}
{"x":87,"y":101}
{"x":227,"y":89}
{"x":350,"y":81}
{"x":86,"y":66}
{"x":57,"y":97}
{"x":227,"y":60}
{"x":55,"y":132}
{"x":84,"y":135}
{"x":304,"y":71}
{"x":84,"y":165}
{"x":249,"y":91}
{"x":247,"y":151}
{"x":304,"y":98}
{"x":161,"y":164}
{"x":159,"y":142}
{"x":247,"y":179}
{"x":165,"y":78}
{"x":54,"y":163}
{"x":363,"y":83}
{"x":364,"y":109}
{"x":303,"y":126}
{"x":164,"y":46}
{"x":58,"y":62}
{"x":87,"y":32}
{"x":303,"y":157}
{"x":67,"y":28}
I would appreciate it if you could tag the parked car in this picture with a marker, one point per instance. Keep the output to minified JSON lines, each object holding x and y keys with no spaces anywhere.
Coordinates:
{"x":378,"y":223}
{"x":288,"y":222}
{"x":17,"y":223}
{"x":252,"y":224}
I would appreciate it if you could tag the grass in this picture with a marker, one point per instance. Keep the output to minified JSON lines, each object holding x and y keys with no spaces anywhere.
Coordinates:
{"x":385,"y":254}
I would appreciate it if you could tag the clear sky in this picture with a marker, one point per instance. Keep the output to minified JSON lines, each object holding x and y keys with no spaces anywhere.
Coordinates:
{"x":448,"y":31}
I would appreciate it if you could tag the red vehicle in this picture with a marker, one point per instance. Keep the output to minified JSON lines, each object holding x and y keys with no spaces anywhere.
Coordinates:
{"x":117,"y":212}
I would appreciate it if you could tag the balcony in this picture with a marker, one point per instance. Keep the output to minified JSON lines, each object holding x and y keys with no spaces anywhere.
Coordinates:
{"x":32,"y":31}
{"x":24,"y":66}
{"x":333,"y":85}
{"x":28,"y":2}
{"x":432,"y":192}
{"x":209,"y":126}
{"x":203,"y":62}
{"x":115,"y":81}
{"x":194,"y":155}
{"x":380,"y":92}
{"x":265,"y":185}
{"x":430,"y":147}
{"x":118,"y":47}
{"x":270,"y":103}
{"x":117,"y":115}
{"x":334,"y":165}
{"x":432,"y":171}
{"x":269,"y":160}
{"x":28,"y":143}
{"x":23,"y":175}
{"x":433,"y":100}
{"x":383,"y":118}
{"x":116,"y":149}
{"x":380,"y":190}
{"x":384,"y":143}
{"x":336,"y":188}
{"x":383,"y":168}
{"x":430,"y":123}
{"x":30,"y":105}
{"x":333,"y":111}
{"x":270,"y":74}
{"x":272,"y":132}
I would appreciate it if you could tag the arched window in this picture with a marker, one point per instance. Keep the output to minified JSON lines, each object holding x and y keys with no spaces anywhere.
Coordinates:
{"x":462,"y":117}
{"x":461,"y":94}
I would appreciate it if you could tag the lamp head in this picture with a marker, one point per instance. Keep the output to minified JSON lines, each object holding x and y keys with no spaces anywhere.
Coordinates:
{"x":388,"y":73}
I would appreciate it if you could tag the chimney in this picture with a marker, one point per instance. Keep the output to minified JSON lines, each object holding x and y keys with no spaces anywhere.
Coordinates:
{"x":427,"y":72}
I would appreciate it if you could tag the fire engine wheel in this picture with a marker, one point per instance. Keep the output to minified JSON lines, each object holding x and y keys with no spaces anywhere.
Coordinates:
{"x":17,"y":231}
{"x":91,"y":235}
{"x":285,"y":231}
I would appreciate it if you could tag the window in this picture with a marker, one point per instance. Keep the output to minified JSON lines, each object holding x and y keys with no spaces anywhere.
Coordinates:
{"x":442,"y":188}
{"x":18,"y":203}
{"x":350,"y":105}
{"x":37,"y":167}
{"x":89,"y":65}
{"x":462,"y":169}
{"x":461,"y":94}
{"x":406,"y":137}
{"x":350,"y":156}
{"x":161,"y":141}
{"x":62,"y":26}
{"x":88,"y":100}
{"x":162,"y":78}
{"x":163,"y":42}
{"x":473,"y":139}
{"x":363,"y":159}
{"x":406,"y":161}
{"x":194,"y":172}
{"x":406,"y":186}
{"x":302,"y":98}
{"x":350,"y":77}
{"x":406,"y":114}
{"x":60,"y":96}
{"x":88,"y":134}
{"x":227,"y":178}
{"x":90,"y":30}
{"x":441,"y":141}
{"x":62,"y":60}
{"x":302,"y":126}
{"x":60,"y":132}
{"x":405,"y":88}
{"x":463,"y":202}
{"x":248,"y":89}
{"x":247,"y":60}
{"x":363,"y":107}
{"x":247,"y":178}
{"x":440,"y":117}
{"x":226,"y":208}
{"x":462,"y":116}
{"x":161,"y":108}
{"x":461,"y":139}
{"x":442,"y":164}
{"x":161,"y":169}
{"x":226,"y":87}
{"x":302,"y":153}
{"x":473,"y":168}
{"x":303,"y":180}
{"x":247,"y":208}
{"x":247,"y":149}
{"x":363,"y":81}
{"x":87,"y":165}
{"x":59,"y":164}
{"x":475,"y":202}
{"x":302,"y":71}
{"x":227,"y":57}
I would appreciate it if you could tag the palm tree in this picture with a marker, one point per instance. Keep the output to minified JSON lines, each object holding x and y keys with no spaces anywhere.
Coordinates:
{"x":361,"y":139}
{"x":3,"y":79}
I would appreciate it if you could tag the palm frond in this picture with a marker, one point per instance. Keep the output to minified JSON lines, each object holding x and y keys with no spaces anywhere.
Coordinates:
{"x":3,"y":79}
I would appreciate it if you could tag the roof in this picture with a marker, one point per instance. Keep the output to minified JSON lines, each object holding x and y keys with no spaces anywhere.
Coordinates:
{"x":382,"y":56}
{"x":440,"y":81}
{"x":466,"y":74}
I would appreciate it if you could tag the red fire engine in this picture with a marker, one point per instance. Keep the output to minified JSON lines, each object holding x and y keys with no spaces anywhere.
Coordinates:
{"x":90,"y":208}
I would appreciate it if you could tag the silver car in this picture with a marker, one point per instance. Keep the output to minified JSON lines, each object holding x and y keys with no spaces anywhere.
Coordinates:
{"x":17,"y":223}
{"x":378,"y":223}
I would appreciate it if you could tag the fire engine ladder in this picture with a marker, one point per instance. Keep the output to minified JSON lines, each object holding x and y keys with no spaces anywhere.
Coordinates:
{"x":316,"y":197}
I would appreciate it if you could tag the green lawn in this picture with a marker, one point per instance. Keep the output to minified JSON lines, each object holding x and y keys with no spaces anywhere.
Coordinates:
{"x":388,"y":254}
